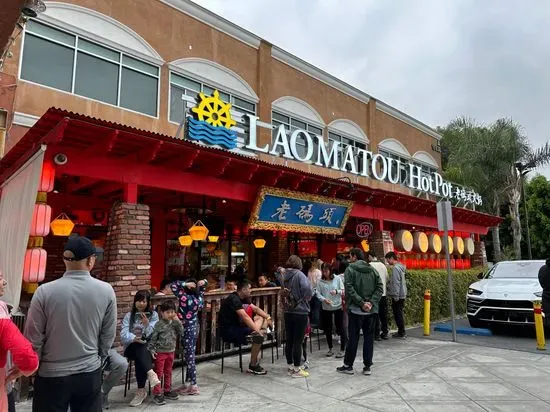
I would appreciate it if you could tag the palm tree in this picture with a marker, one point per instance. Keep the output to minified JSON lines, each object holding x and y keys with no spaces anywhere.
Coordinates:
{"x":487,"y":158}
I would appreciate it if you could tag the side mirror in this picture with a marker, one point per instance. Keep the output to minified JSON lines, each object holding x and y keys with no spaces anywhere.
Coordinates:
{"x":480,"y":275}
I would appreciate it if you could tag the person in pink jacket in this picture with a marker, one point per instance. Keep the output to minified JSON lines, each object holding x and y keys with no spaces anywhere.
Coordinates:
{"x":24,"y":359}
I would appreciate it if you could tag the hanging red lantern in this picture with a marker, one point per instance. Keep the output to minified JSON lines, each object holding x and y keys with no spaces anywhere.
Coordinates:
{"x":41,"y":218}
{"x":47,"y":178}
{"x":34,"y":269}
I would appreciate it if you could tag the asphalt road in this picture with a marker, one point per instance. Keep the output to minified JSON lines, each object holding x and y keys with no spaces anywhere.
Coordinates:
{"x":521,"y":339}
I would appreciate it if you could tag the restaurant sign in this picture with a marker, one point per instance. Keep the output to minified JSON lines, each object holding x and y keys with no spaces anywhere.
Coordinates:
{"x":212,"y":124}
{"x":278,"y":209}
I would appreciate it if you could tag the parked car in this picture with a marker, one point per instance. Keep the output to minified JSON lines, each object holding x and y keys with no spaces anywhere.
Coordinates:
{"x":505,"y":294}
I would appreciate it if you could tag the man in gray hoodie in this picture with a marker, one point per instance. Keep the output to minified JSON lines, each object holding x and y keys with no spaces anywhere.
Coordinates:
{"x":71,"y":324}
{"x":397,"y":293}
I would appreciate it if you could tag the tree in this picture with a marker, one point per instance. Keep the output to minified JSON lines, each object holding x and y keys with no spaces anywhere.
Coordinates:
{"x":537,"y":192}
{"x":493,"y":160}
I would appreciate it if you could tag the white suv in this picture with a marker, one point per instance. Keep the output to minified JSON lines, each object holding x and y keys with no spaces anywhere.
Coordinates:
{"x":505,"y":294}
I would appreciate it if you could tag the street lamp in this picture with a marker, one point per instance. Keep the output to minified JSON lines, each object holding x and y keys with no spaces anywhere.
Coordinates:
{"x":523,"y":169}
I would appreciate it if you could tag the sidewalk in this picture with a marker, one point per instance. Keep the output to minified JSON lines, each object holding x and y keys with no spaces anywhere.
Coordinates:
{"x":411,"y":375}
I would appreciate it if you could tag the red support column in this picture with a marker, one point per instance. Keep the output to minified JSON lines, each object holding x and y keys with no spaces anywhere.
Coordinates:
{"x":158,"y":246}
{"x":130,"y":193}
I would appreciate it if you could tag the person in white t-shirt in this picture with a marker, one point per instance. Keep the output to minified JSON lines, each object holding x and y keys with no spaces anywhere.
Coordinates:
{"x":381,"y":331}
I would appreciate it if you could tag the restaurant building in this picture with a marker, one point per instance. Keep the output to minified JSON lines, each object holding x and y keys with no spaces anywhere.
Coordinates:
{"x":141,"y":126}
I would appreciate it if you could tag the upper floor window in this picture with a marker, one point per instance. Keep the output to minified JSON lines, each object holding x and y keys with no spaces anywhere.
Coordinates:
{"x":344,"y":143}
{"x":68,"y":62}
{"x":184,"y":88}
{"x":291,"y":124}
{"x":404,"y":165}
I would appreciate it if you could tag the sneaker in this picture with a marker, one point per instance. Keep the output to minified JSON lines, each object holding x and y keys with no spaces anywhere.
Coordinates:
{"x":159,"y":399}
{"x":384,"y":336}
{"x":105,"y":401}
{"x":306,"y":365}
{"x":138,"y":398}
{"x":300,"y":373}
{"x":191,"y":390}
{"x":348,"y":370}
{"x":182,"y":389}
{"x":399,"y":336}
{"x":172,"y":395}
{"x":367,"y":371}
{"x":330,"y":353}
{"x":340,"y":355}
{"x":256,"y":370}
{"x":153,"y":378}
{"x":290,"y":369}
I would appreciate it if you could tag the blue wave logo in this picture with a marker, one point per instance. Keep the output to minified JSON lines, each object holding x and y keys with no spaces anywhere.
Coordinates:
{"x":200,"y":130}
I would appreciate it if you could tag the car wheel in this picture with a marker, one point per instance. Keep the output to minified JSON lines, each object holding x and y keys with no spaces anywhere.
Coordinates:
{"x":476,"y":323}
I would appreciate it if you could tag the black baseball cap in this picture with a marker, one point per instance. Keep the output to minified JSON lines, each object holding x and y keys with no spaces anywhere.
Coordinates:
{"x":81,"y":247}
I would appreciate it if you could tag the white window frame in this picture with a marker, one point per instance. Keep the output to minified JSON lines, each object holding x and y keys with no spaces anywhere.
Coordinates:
{"x":236,"y":111}
{"x":404,"y":161}
{"x":290,"y":128}
{"x":76,"y":50}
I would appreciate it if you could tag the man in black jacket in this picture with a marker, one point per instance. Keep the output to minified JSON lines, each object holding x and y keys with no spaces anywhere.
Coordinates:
{"x":544,"y":280}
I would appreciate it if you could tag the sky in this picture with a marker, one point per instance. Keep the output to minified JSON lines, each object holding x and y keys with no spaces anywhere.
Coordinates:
{"x":434,"y":60}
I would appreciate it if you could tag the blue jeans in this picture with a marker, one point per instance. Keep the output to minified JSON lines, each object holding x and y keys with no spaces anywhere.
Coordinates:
{"x":355,"y":324}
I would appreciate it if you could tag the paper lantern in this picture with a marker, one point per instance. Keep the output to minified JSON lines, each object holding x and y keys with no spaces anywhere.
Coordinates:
{"x":62,"y":225}
{"x":198,"y":231}
{"x":41,"y":218}
{"x":185,"y":240}
{"x":47,"y":178}
{"x":365,"y":245}
{"x":34,"y":268}
{"x":259,"y":243}
{"x":469,"y":246}
{"x":213,"y":239}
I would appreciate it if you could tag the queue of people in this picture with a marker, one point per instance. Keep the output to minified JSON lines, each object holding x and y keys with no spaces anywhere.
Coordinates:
{"x":73,"y":338}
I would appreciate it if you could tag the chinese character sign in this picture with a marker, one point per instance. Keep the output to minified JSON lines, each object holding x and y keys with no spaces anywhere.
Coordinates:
{"x":278,"y":209}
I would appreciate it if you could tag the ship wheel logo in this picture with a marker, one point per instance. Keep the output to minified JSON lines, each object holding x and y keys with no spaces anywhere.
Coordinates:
{"x":214,"y":111}
{"x":213,"y":122}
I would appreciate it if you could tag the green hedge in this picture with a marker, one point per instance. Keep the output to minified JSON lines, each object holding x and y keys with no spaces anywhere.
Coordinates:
{"x":436,"y":280}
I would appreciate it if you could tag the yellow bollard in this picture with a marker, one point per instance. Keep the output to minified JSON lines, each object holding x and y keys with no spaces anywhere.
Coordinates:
{"x":427,"y":298}
{"x":539,"y":327}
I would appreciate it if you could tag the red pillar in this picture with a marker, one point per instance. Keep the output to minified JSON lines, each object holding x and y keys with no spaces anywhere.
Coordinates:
{"x":158,"y":246}
{"x":130,"y":193}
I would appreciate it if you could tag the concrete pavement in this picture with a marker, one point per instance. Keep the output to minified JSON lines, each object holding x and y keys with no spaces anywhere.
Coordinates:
{"x":411,"y":375}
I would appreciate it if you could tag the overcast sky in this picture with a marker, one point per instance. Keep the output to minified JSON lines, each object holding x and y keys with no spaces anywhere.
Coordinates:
{"x":434,"y":60}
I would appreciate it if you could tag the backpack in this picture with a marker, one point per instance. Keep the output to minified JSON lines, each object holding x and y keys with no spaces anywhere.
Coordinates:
{"x":288,"y":300}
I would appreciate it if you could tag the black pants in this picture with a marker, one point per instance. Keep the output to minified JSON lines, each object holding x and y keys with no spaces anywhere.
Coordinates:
{"x":546,"y":310}
{"x":142,"y":359}
{"x":355,"y":324}
{"x":315,"y":312}
{"x":326,"y":317}
{"x":11,"y":402}
{"x":398,"y":307}
{"x":382,"y":322}
{"x":295,"y":329}
{"x":82,"y":392}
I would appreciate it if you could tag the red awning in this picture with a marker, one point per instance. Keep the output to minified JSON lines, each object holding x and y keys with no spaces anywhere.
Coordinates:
{"x":81,"y":133}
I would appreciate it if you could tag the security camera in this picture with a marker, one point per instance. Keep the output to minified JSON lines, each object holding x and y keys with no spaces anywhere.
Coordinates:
{"x":60,"y":159}
{"x":31,"y":8}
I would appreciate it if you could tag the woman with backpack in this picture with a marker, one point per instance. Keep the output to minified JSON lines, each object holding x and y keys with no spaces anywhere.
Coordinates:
{"x":297,"y":292}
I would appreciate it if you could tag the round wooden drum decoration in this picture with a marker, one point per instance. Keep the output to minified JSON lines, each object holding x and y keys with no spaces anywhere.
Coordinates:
{"x":458,"y":245}
{"x":420,"y":242}
{"x":451,"y":245}
{"x":403,"y":240}
{"x":469,"y":247}
{"x":434,"y":243}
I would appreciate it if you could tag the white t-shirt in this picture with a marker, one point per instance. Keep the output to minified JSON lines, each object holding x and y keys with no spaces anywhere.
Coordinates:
{"x":382,"y":271}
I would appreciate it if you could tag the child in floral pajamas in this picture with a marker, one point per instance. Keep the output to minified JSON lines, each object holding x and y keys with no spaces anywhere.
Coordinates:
{"x":191,"y":299}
